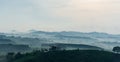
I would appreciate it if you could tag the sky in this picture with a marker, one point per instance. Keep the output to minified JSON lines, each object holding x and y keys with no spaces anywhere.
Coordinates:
{"x":60,"y":15}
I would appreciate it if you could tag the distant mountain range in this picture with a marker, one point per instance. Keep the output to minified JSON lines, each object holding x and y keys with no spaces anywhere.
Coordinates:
{"x":35,"y":39}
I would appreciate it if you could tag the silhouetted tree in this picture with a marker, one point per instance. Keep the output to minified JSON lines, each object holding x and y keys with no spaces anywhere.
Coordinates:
{"x":10,"y":56}
{"x":116,"y":49}
{"x":54,"y":48}
{"x":18,"y":55}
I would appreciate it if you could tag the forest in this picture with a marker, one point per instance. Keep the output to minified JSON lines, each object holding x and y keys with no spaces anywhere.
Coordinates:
{"x":64,"y":56}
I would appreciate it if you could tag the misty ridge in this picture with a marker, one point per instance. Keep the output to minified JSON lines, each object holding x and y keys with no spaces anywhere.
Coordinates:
{"x":35,"y":40}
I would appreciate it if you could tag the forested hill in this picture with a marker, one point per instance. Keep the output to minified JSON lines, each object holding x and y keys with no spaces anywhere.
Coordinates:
{"x":66,"y":56}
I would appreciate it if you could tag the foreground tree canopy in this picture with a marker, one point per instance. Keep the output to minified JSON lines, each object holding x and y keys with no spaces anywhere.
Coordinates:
{"x":66,"y":56}
{"x":116,"y":49}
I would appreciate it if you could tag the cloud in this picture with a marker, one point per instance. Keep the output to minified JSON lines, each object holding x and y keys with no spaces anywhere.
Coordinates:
{"x":14,"y":14}
{"x":88,"y":15}
{"x":75,"y":15}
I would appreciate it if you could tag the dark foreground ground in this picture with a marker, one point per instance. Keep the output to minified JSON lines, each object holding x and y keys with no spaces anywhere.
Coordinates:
{"x":3,"y":59}
{"x":65,"y":56}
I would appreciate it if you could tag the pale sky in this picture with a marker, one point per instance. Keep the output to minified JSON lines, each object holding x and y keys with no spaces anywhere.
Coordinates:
{"x":60,"y":15}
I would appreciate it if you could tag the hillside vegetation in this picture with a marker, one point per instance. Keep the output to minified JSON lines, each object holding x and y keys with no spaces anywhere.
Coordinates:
{"x":65,"y":56}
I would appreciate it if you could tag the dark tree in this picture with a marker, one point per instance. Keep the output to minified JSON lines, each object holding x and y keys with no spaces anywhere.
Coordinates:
{"x":10,"y":56}
{"x":116,"y":49}
{"x":18,"y":55}
{"x":54,"y":48}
